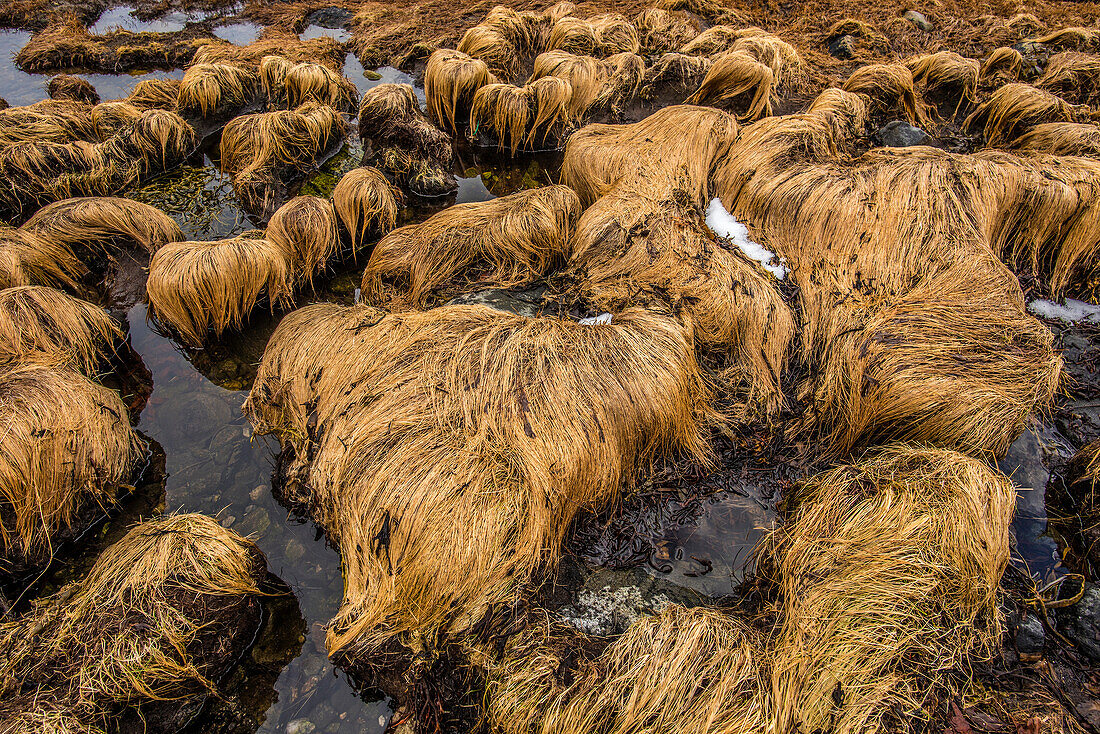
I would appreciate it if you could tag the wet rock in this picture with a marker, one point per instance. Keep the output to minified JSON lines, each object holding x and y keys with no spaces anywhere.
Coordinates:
{"x":255,"y":522}
{"x":609,"y":601}
{"x":1030,"y":637}
{"x":295,"y":550}
{"x":920,"y":20}
{"x":843,"y":47}
{"x":301,"y":726}
{"x":900,"y":134}
{"x":1080,"y":623}
{"x":330,"y":17}
{"x":1079,"y":421}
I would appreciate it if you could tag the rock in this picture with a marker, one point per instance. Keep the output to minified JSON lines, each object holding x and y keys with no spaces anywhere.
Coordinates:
{"x":227,"y":521}
{"x":1030,"y":637}
{"x":918,"y":19}
{"x":1081,"y":623}
{"x":257,"y":492}
{"x":295,"y":550}
{"x":301,"y":726}
{"x":610,"y":600}
{"x":331,"y":17}
{"x":255,"y":522}
{"x":843,"y":47}
{"x":900,"y":134}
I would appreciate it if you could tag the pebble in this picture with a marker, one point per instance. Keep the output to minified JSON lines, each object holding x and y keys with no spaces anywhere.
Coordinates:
{"x":258,"y":492}
{"x":920,"y":20}
{"x":227,"y":521}
{"x":900,"y":134}
{"x":295,"y":550}
{"x":1030,"y":637}
{"x":301,"y":726}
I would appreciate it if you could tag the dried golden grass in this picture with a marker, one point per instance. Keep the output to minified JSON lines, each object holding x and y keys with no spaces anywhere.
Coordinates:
{"x":946,"y":75}
{"x":365,"y":203}
{"x":492,"y":47}
{"x":67,"y":86}
{"x":503,"y":111}
{"x":891,"y":91}
{"x":451,"y":79}
{"x":504,"y":242}
{"x":159,"y":140}
{"x":36,"y":123}
{"x":1059,"y":138}
{"x":661,"y":31}
{"x":675,"y":74}
{"x":67,"y":444}
{"x":1002,"y":60}
{"x":892,"y":255}
{"x":309,"y":82}
{"x":1014,"y":109}
{"x":262,"y":149}
{"x":26,"y":259}
{"x":305,"y":227}
{"x":713,"y":40}
{"x":1072,"y":76}
{"x":584,"y":74}
{"x":1076,"y":38}
{"x":411,"y":150}
{"x":159,"y":94}
{"x":622,"y":81}
{"x":682,"y":671}
{"x":887,"y":573}
{"x":103,"y":225}
{"x":273,"y":70}
{"x":614,"y":34}
{"x":463,"y":440}
{"x":210,"y":90}
{"x":201,"y":287}
{"x":38,"y":319}
{"x":141,"y":626}
{"x":573,"y":35}
{"x":739,"y":83}
{"x":109,"y":118}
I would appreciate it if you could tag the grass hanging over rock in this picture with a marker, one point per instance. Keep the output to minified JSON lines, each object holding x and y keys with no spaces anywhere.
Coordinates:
{"x":201,"y":287}
{"x":103,"y":226}
{"x":503,"y":243}
{"x":366,"y":204}
{"x":67,"y":445}
{"x":26,"y":259}
{"x":160,"y":617}
{"x":305,"y":227}
{"x":463,"y":441}
{"x":37,"y":319}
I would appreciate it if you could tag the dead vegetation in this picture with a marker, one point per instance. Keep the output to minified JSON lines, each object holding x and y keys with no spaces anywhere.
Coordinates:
{"x":264,"y":151}
{"x":26,"y":259}
{"x":1014,"y":109}
{"x":885,"y":575}
{"x":158,"y":618}
{"x":462,"y":440}
{"x":103,"y":226}
{"x":67,"y":86}
{"x":67,"y":445}
{"x":201,"y":287}
{"x":366,"y":205}
{"x":305,"y":228}
{"x":500,"y":243}
{"x":415,"y":154}
{"x":40,"y":320}
{"x":217,"y":90}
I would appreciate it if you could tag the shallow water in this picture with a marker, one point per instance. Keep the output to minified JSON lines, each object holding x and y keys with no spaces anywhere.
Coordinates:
{"x":241,"y":34}
{"x":340,"y":35}
{"x":122,"y":18}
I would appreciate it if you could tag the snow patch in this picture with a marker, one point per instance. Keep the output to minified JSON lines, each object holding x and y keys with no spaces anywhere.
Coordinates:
{"x":601,"y":320}
{"x":1070,"y":312}
{"x":724,"y":224}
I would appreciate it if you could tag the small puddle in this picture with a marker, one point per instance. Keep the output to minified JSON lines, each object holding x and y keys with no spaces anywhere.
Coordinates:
{"x":17,"y":86}
{"x":340,"y":35}
{"x":240,"y":34}
{"x":122,"y":18}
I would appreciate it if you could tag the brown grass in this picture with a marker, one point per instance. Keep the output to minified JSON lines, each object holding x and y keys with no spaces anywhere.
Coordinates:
{"x":1076,"y":38}
{"x":1003,"y":60}
{"x":887,"y":573}
{"x":891,"y":91}
{"x":275,"y":42}
{"x":1061,"y":139}
{"x":142,"y":626}
{"x":26,"y":259}
{"x":61,"y":123}
{"x":661,"y":31}
{"x":160,"y":94}
{"x":712,"y":41}
{"x":366,"y":204}
{"x":109,"y":118}
{"x":463,"y":441}
{"x":103,"y":225}
{"x":38,"y":319}
{"x":675,"y":74}
{"x":1072,"y":76}
{"x":263,"y":149}
{"x":891,"y":254}
{"x":614,"y":34}
{"x":403,"y":143}
{"x":946,"y":76}
{"x":1013,"y":110}
{"x":305,"y":227}
{"x":573,"y":35}
{"x":504,"y":242}
{"x":504,"y":111}
{"x":739,"y":83}
{"x":158,"y":140}
{"x":451,"y":79}
{"x":201,"y":287}
{"x":309,"y":82}
{"x":214,"y":90}
{"x":584,"y":74}
{"x":67,"y":86}
{"x":67,"y":444}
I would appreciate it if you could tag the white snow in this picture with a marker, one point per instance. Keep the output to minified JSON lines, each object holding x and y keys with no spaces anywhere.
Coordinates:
{"x":1070,"y":312}
{"x":724,"y":224}
{"x":601,"y":320}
